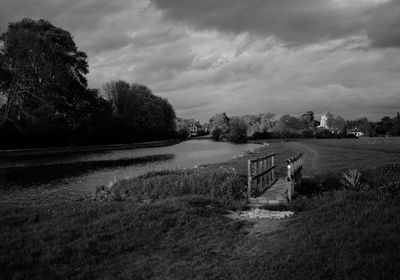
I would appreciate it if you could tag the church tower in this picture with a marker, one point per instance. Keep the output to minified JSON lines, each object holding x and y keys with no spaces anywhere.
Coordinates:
{"x":324,"y":121}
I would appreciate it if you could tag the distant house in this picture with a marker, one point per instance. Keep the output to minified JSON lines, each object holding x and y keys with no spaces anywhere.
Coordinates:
{"x":355,"y":131}
{"x":193,"y":129}
{"x":358,"y":133}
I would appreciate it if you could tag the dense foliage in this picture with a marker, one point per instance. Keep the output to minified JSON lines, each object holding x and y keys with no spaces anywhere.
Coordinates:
{"x":265,"y":126}
{"x":45,"y":100}
{"x":138,"y":114}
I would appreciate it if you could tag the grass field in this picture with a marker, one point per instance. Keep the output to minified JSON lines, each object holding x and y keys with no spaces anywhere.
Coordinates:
{"x":332,"y":156}
{"x":336,"y":233}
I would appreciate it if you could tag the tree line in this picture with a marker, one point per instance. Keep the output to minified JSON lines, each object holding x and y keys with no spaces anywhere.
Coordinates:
{"x":45,"y":99}
{"x":266,"y":126}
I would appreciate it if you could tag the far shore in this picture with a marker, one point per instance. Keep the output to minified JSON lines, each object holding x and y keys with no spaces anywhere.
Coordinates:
{"x":83,"y":149}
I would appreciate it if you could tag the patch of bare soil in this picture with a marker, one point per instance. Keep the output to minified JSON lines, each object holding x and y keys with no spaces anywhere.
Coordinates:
{"x":262,"y":222}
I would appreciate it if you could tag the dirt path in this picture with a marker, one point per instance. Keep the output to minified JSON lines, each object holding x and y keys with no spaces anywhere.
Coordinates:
{"x":311,"y":157}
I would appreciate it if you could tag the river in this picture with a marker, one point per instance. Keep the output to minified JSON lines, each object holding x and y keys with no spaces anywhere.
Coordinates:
{"x":54,"y":179}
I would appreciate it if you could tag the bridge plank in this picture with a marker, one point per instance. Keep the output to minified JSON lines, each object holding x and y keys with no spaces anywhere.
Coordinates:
{"x":276,"y":194}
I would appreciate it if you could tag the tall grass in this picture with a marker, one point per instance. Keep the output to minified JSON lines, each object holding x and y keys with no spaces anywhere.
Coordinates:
{"x":219,"y":183}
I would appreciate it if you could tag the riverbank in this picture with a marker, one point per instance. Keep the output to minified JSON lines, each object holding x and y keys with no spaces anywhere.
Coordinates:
{"x":336,"y":233}
{"x":83,"y":149}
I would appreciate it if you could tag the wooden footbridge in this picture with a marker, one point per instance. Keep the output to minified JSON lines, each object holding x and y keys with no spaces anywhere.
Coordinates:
{"x":264,"y":188}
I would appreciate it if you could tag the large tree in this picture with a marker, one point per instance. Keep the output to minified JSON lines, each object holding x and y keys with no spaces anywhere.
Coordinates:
{"x":237,"y":131}
{"x":41,"y":65}
{"x":289,"y":123}
{"x":147,"y":116}
{"x":308,"y":120}
{"x":119,"y":94}
{"x":220,"y":122}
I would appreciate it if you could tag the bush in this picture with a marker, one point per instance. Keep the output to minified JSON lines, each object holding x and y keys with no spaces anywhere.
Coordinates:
{"x":306,"y":133}
{"x":216,"y":134}
{"x":285,"y":134}
{"x":261,"y":135}
{"x":352,"y":180}
{"x":324,"y":134}
{"x":182,"y":134}
{"x":237,"y":131}
{"x":319,"y":184}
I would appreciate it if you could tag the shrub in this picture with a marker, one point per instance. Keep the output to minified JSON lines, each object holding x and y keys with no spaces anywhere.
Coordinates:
{"x":352,"y":180}
{"x":307,"y":133}
{"x":319,"y":184}
{"x":216,"y":134}
{"x":261,"y":135}
{"x":324,"y":134}
{"x":182,"y":134}
{"x":237,"y":131}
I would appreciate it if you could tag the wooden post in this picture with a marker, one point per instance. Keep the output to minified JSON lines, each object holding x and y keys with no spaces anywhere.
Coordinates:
{"x":289,"y":178}
{"x":262,"y":178}
{"x":249,"y":180}
{"x":273,"y":170}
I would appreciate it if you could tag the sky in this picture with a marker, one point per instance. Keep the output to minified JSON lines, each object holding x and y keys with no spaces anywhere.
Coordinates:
{"x":239,"y":57}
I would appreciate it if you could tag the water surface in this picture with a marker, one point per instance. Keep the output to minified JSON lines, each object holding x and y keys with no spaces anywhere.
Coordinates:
{"x":70,"y":177}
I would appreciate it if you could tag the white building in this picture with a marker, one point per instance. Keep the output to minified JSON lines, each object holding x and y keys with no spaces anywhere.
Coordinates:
{"x":324,"y":121}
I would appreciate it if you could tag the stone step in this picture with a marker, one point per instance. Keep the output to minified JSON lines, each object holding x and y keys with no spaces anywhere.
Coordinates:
{"x":263,"y":199}
{"x":270,"y":203}
{"x":267,"y":202}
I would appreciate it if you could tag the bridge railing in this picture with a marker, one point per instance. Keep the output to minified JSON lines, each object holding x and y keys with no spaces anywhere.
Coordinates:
{"x":294,"y":173}
{"x":261,"y":175}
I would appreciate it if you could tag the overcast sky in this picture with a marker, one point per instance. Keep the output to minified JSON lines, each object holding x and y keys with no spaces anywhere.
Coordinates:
{"x":239,"y":56}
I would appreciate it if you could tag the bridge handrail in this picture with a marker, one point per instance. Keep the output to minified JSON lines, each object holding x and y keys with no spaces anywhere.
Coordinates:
{"x":294,"y":173}
{"x":261,"y":174}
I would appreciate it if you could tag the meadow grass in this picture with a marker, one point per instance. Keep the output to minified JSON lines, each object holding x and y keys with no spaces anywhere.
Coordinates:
{"x":182,"y":232}
{"x":333,"y":156}
{"x":177,"y":238}
{"x":381,"y":144}
{"x":338,"y":235}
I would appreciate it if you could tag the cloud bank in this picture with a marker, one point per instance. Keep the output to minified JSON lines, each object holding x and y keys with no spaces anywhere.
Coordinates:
{"x":294,"y":22}
{"x":239,"y":57}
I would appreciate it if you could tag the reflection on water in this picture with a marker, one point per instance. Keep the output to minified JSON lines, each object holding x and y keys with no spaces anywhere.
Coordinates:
{"x":71,"y":177}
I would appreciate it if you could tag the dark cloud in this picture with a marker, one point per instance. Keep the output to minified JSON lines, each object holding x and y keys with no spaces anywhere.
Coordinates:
{"x":293,"y":21}
{"x":383,"y":24}
{"x":75,"y":15}
{"x":94,"y":24}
